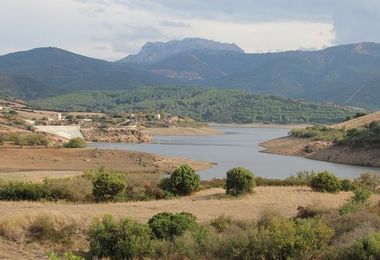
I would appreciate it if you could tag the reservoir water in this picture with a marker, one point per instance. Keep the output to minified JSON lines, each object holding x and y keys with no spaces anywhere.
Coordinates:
{"x":238,"y":147}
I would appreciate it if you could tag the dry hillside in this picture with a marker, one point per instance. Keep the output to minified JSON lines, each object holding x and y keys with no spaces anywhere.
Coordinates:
{"x":357,"y":122}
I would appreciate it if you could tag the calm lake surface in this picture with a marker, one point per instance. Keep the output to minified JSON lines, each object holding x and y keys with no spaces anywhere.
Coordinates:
{"x":237,"y":147}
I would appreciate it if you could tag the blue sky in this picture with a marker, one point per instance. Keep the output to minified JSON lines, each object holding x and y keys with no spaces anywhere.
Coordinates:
{"x":112,"y":29}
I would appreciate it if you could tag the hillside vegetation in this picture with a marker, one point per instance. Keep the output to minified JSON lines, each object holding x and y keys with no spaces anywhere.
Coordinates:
{"x":209,"y":105}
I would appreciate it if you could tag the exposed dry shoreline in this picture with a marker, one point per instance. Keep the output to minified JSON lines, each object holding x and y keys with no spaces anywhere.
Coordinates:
{"x":325,"y":151}
{"x":41,"y":161}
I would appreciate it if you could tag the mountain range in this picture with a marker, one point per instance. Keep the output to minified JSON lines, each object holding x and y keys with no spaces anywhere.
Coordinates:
{"x":346,"y":74}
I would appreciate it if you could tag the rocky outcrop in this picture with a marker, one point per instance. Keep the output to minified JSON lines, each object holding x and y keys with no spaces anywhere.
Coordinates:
{"x":115,"y":135}
{"x":316,"y":146}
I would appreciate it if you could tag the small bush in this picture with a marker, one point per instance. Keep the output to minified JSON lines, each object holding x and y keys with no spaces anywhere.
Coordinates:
{"x":279,"y":239}
{"x":77,"y":188}
{"x":325,"y":182}
{"x":350,"y":207}
{"x":368,"y":180}
{"x":76,"y":143}
{"x":221,"y":223}
{"x":24,"y":191}
{"x":346,"y":185}
{"x":125,"y":239}
{"x":107,"y":185}
{"x":366,"y":248}
{"x":49,"y":228}
{"x":239,"y":181}
{"x":362,"y":194}
{"x":167,"y":225}
{"x":183,"y":181}
{"x":25,"y":139}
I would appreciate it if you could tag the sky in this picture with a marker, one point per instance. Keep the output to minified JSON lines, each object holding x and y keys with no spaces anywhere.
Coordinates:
{"x":113,"y":29}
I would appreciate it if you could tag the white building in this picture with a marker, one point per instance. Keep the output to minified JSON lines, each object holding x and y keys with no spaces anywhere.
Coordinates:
{"x":1,"y":108}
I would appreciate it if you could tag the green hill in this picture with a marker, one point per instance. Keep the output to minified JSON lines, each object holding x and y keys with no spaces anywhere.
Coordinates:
{"x":211,"y":105}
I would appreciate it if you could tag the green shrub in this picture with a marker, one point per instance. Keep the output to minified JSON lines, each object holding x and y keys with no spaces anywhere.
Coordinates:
{"x":346,"y":185}
{"x":221,"y":223}
{"x":125,"y":239}
{"x":107,"y":185}
{"x":279,"y":239}
{"x":23,"y":139}
{"x":362,"y":194}
{"x":365,"y":136}
{"x":76,"y":143}
{"x":67,"y":256}
{"x":239,"y":181}
{"x":319,"y":133}
{"x":51,"y":229}
{"x":371,"y":181}
{"x":366,"y":248}
{"x":183,"y":181}
{"x":167,"y":225}
{"x":325,"y":182}
{"x":78,"y":189}
{"x":350,"y":207}
{"x":24,"y":191}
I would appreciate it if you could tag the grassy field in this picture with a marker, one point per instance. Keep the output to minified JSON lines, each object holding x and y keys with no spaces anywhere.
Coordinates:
{"x":206,"y":205}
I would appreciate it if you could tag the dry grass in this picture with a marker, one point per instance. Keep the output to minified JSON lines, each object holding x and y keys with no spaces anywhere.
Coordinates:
{"x":37,"y":176}
{"x":17,"y":219}
{"x":206,"y":205}
{"x":360,"y":121}
{"x":31,"y":235}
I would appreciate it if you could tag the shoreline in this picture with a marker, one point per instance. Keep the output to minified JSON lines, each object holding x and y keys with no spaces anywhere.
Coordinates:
{"x":260,"y":125}
{"x":292,"y":146}
{"x":37,"y":163}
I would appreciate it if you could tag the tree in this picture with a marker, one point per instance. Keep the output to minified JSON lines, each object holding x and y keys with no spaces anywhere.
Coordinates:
{"x":184,"y":180}
{"x":107,"y":185}
{"x":239,"y":181}
{"x":167,"y":225}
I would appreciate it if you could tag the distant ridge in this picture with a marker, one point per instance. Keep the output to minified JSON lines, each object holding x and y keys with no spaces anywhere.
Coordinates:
{"x":346,"y":75}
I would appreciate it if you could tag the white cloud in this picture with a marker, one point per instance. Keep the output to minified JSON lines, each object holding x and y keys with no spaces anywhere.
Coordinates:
{"x":111,"y":29}
{"x":264,"y":37}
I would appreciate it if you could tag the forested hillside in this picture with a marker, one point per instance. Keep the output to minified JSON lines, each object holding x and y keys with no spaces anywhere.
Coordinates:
{"x":211,"y":105}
